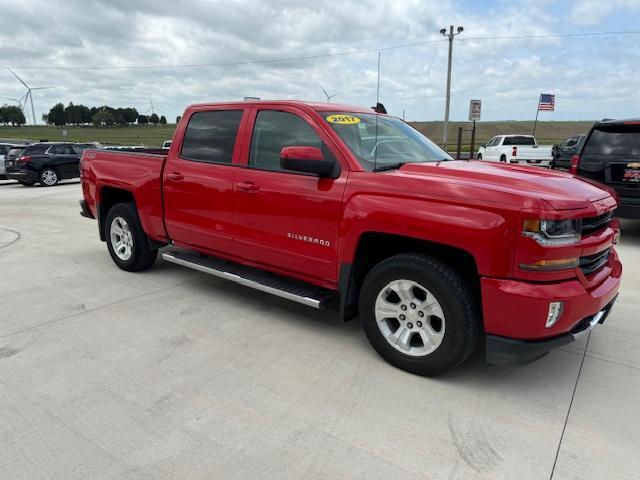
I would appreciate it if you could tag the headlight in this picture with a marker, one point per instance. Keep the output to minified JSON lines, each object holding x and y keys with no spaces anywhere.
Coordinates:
{"x":553,"y":232}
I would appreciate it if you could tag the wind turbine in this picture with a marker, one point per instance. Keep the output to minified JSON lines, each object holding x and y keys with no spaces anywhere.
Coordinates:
{"x":28,"y":97}
{"x":150,"y":109}
{"x":18,"y":101}
{"x":329,"y":97}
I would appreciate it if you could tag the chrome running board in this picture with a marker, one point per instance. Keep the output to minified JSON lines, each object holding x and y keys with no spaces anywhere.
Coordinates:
{"x":253,"y":278}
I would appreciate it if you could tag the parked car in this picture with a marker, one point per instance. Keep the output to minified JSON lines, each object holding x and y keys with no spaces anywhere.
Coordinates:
{"x":566,"y":149}
{"x":516,"y":149}
{"x":46,"y":163}
{"x":4,"y":149}
{"x":434,"y":255}
{"x":611,"y":155}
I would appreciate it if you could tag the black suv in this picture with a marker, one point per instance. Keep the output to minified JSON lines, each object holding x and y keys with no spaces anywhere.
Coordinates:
{"x":566,"y":149}
{"x":46,"y":163}
{"x":611,"y":155}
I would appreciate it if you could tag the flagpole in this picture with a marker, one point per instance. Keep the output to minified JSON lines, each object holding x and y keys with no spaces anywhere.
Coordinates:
{"x":537,"y":112}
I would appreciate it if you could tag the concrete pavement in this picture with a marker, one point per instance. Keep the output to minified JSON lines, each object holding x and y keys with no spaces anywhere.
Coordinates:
{"x":173,"y":374}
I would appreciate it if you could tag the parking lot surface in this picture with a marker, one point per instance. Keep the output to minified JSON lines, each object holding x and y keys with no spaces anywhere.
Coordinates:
{"x":174,"y":374}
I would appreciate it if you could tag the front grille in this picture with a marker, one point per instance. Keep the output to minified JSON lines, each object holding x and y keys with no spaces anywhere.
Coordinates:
{"x":594,"y":224}
{"x":593,"y":263}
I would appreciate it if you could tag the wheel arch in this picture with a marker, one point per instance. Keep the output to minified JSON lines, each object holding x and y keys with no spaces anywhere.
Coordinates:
{"x":109,"y":197}
{"x":373,"y":247}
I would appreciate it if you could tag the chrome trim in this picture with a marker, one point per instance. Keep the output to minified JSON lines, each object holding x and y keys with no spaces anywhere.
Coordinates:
{"x":310,"y":302}
{"x":594,"y":321}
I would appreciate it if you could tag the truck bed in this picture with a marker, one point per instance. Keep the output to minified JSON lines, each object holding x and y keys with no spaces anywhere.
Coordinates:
{"x":139,"y":173}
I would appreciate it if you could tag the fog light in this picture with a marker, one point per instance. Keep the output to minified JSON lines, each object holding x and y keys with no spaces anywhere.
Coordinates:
{"x":555,"y":311}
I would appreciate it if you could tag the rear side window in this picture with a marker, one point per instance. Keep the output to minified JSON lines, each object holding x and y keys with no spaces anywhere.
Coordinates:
{"x":3,"y":149}
{"x":210,"y":136}
{"x":618,"y":140}
{"x":15,"y":152}
{"x":519,"y":141}
{"x":274,"y":130}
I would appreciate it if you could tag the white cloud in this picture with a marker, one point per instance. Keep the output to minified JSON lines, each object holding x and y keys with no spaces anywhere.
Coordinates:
{"x":507,"y":74}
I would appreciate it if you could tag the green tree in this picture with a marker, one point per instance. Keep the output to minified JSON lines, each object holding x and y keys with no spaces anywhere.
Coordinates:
{"x":153,"y":118}
{"x":143,"y":120}
{"x":15,"y":116}
{"x":163,"y":120}
{"x":103,"y":117}
{"x":130,"y":115}
{"x":57,"y":115}
{"x":178,"y":118}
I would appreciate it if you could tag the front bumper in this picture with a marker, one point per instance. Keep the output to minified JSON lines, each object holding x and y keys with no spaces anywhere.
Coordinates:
{"x":511,"y":351}
{"x":515,"y":312}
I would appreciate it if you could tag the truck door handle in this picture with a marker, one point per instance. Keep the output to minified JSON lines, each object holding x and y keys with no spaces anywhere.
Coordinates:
{"x":175,"y":177}
{"x":247,"y":186}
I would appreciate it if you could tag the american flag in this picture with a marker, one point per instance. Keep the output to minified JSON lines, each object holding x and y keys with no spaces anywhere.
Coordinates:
{"x":547,"y":102}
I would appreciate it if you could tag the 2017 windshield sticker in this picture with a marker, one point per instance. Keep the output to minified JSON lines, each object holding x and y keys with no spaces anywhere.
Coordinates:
{"x":343,"y":119}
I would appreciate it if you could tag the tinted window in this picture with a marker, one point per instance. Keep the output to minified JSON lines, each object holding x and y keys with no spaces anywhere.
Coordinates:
{"x":569,"y":142}
{"x":210,"y":136}
{"x":3,"y":149}
{"x":615,"y":140}
{"x":35,"y":149}
{"x":519,"y":141}
{"x":273,"y":131}
{"x":14,"y":152}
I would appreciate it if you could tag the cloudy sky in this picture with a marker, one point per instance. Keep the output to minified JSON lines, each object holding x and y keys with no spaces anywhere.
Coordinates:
{"x":194,"y":51}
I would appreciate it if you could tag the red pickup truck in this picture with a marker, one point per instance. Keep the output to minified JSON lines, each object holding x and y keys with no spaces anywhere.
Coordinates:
{"x":343,"y":207}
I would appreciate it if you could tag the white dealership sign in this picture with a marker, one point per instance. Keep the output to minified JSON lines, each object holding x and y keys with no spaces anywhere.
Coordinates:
{"x":475,"y":106}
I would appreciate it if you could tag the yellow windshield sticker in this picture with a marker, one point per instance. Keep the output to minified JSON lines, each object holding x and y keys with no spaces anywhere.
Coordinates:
{"x":343,"y":119}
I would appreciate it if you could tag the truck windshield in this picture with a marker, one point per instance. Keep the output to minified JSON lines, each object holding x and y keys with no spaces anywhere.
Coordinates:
{"x":391,"y":142}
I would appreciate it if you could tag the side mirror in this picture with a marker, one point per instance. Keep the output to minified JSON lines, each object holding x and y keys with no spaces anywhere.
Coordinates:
{"x":306,"y":160}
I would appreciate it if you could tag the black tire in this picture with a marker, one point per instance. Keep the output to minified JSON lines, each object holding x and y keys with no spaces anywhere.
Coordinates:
{"x":27,"y":183}
{"x":503,"y":158}
{"x":48,"y":177}
{"x":479,"y":156}
{"x":142,"y":255}
{"x":452,"y":293}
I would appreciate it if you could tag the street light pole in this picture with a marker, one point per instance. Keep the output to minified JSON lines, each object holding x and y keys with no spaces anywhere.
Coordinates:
{"x":450,"y":36}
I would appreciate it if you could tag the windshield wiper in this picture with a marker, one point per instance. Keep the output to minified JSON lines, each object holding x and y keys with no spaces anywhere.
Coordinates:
{"x":390,"y":166}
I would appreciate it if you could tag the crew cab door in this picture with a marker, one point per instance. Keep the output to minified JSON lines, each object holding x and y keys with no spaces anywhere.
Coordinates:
{"x":198,"y":180}
{"x":491,"y":150}
{"x":285,"y":220}
{"x":64,"y":159}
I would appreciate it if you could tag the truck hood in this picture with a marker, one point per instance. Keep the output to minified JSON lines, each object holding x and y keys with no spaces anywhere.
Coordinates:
{"x":560,"y":190}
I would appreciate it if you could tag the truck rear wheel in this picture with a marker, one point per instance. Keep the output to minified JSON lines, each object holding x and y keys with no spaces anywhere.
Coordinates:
{"x":419,"y":314}
{"x":127,"y":243}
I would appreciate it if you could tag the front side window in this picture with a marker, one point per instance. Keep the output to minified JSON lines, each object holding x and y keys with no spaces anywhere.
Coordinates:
{"x":379,"y":141}
{"x":211,"y":136}
{"x":275,"y":130}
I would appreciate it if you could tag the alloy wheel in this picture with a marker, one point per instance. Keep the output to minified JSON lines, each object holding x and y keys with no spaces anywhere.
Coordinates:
{"x":410,"y":318}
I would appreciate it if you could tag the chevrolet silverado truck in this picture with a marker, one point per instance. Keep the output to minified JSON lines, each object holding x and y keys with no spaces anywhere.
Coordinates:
{"x":516,"y":149}
{"x":342,"y":207}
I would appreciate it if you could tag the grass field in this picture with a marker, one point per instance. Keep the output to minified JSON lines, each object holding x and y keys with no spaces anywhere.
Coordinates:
{"x":546,"y":132}
{"x":133,"y":135}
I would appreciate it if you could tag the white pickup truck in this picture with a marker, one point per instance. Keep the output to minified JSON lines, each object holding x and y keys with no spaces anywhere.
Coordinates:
{"x":516,"y":149}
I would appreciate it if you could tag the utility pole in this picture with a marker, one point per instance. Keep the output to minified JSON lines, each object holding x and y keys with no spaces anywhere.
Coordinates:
{"x":450,"y":36}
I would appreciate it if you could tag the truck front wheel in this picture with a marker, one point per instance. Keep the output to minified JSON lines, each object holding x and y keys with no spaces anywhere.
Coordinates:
{"x":127,"y":243}
{"x":419,"y":314}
